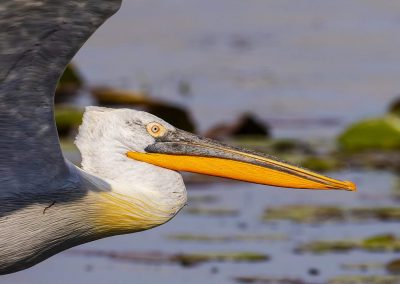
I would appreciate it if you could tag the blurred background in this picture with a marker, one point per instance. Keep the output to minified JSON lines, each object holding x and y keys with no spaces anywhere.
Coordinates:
{"x":316,"y":83}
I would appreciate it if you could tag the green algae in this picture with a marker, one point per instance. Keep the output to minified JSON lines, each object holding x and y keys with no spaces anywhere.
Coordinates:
{"x":321,"y":214}
{"x":190,"y":259}
{"x":327,"y":246}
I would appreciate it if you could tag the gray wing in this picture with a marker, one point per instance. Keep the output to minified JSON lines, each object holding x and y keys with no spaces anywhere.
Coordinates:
{"x":38,"y":38}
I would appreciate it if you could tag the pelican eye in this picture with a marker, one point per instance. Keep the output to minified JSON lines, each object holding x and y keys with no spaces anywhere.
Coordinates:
{"x":155,"y":129}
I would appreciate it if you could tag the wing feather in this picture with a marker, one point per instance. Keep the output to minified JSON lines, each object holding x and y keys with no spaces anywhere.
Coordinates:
{"x":38,"y":38}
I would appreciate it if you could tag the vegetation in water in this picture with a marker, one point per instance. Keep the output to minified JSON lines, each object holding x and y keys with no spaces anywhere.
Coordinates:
{"x":322,"y":214}
{"x":304,"y":213}
{"x":196,"y":258}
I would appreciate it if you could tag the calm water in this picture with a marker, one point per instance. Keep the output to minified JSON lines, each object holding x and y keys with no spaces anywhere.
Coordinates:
{"x":250,"y":200}
{"x":280,"y":59}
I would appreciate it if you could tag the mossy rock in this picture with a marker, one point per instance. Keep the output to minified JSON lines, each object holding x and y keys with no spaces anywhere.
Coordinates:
{"x":377,"y":134}
{"x":68,"y":85}
{"x":68,"y":118}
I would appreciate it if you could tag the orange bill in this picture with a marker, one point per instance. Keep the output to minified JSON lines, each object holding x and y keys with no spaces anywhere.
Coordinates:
{"x":183,"y":151}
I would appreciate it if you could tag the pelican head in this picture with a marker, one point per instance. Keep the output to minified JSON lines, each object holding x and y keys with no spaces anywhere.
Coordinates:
{"x":140,"y":156}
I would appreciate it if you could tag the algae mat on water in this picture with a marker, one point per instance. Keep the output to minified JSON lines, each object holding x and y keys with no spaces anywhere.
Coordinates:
{"x":378,"y":243}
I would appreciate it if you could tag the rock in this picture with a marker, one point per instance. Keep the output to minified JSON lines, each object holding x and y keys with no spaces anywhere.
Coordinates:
{"x":68,"y":85}
{"x":173,"y":114}
{"x":377,"y":134}
{"x":246,"y":125}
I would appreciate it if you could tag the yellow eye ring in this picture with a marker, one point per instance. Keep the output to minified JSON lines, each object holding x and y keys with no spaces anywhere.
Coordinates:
{"x":155,"y":129}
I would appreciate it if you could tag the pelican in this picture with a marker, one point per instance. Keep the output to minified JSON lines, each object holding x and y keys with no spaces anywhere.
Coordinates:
{"x":129,"y":180}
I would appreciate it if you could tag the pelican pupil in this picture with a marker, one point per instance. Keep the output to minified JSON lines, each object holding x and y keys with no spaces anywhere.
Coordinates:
{"x":155,"y":129}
